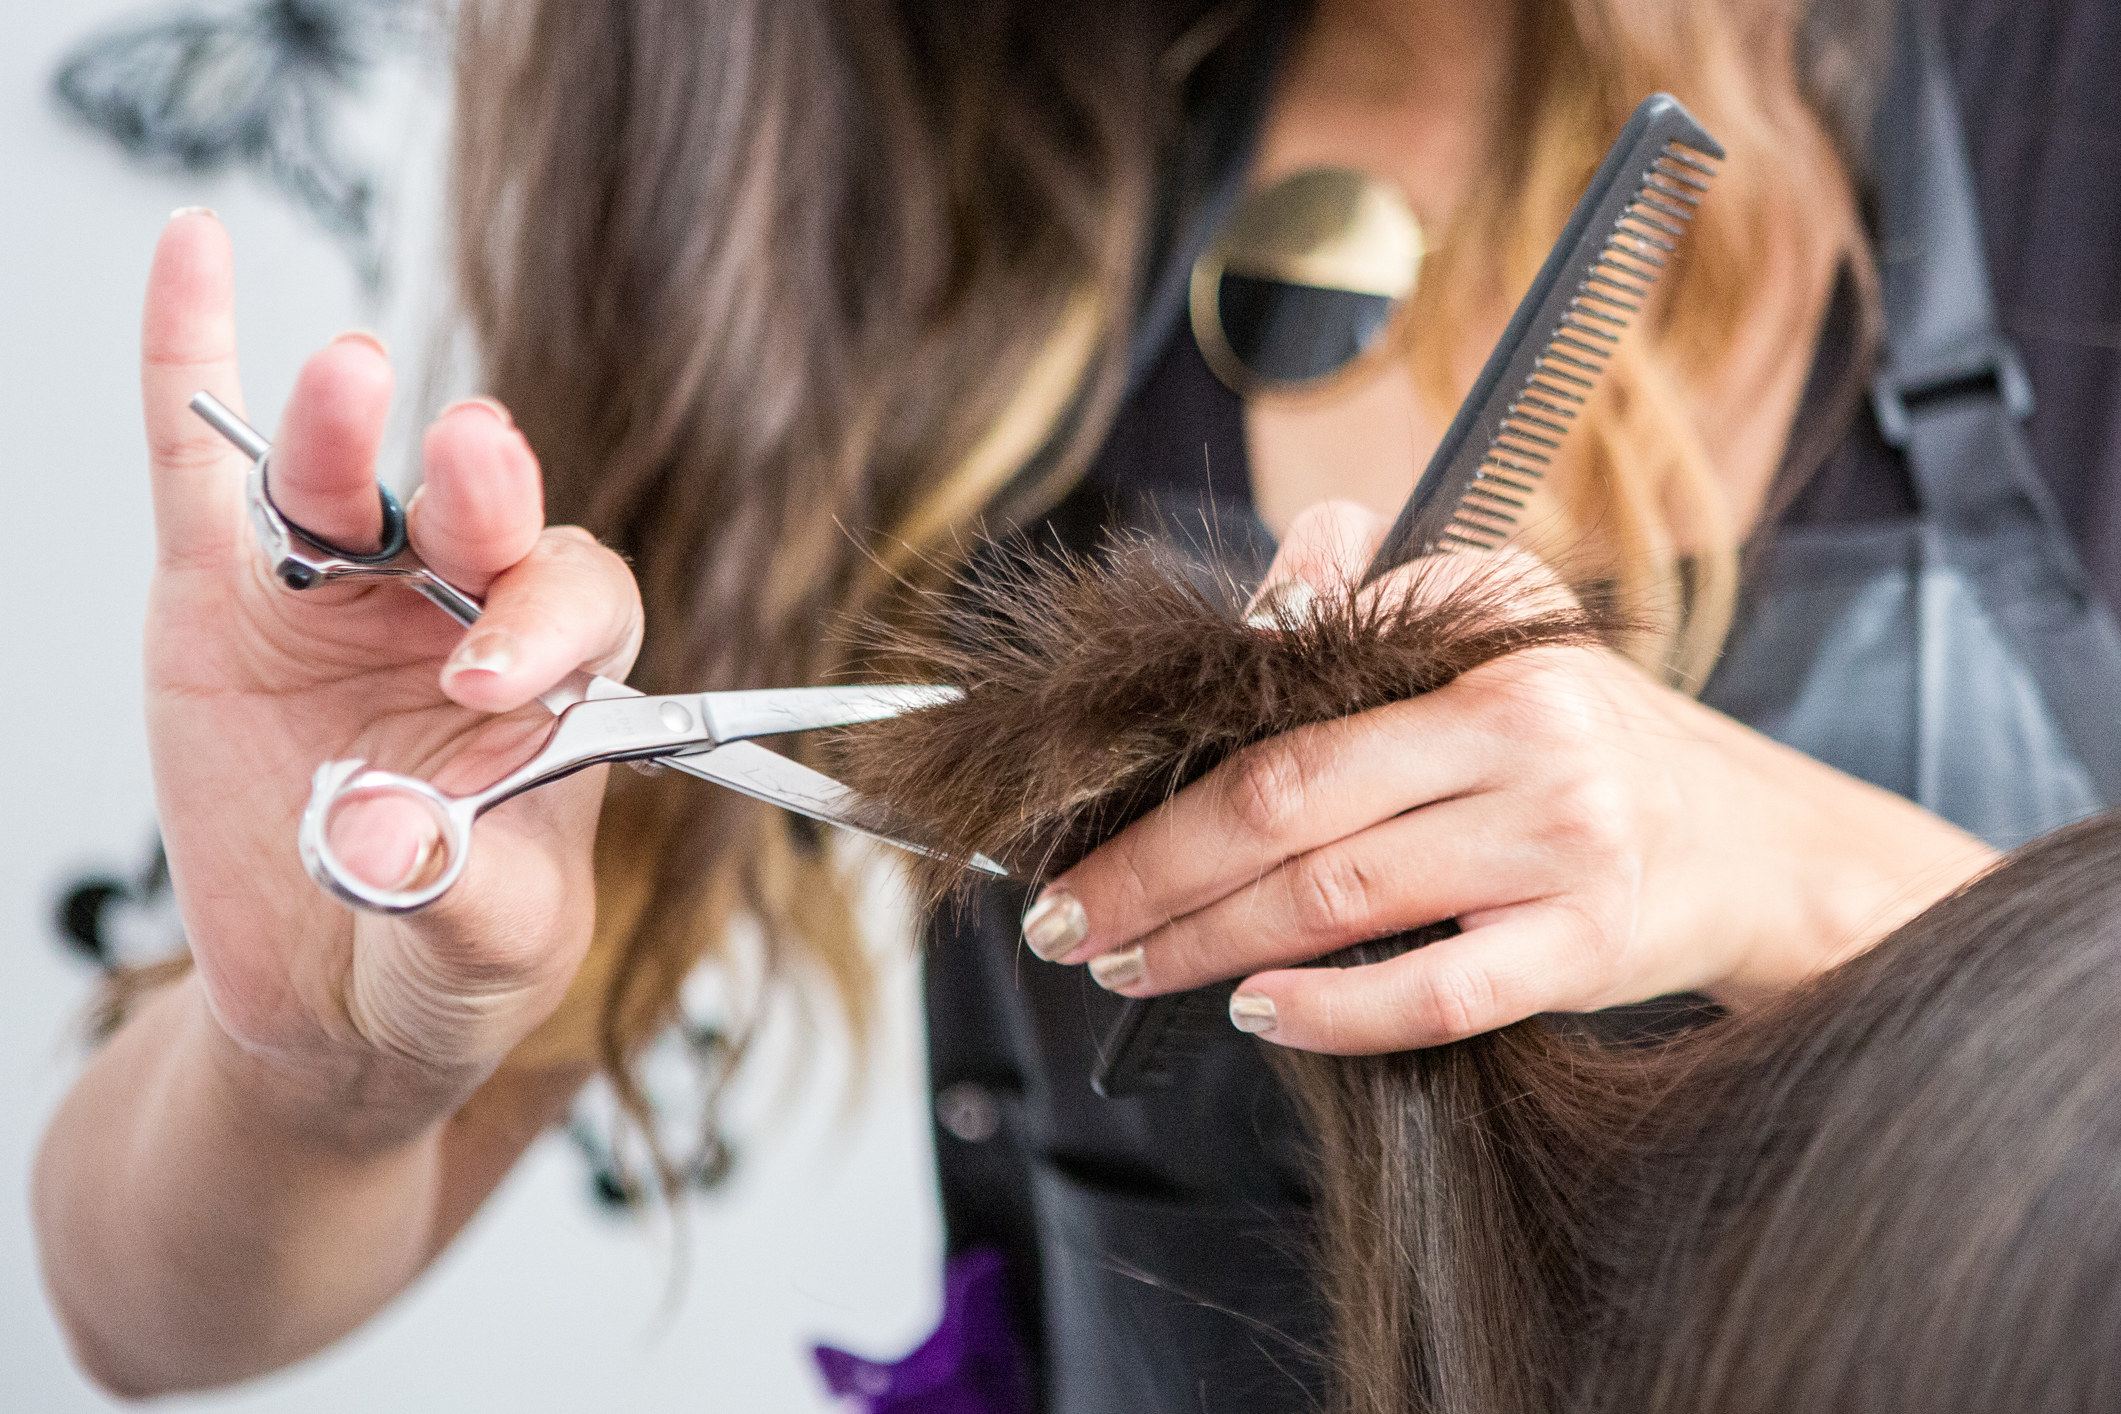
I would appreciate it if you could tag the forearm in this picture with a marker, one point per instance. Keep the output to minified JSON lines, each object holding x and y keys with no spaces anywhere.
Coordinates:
{"x":196,"y":1230}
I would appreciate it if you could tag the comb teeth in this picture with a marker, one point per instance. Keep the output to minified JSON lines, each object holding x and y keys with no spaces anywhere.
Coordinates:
{"x":1605,"y":302}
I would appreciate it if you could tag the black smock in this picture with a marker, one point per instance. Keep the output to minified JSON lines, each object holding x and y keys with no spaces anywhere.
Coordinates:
{"x":1156,"y":1243}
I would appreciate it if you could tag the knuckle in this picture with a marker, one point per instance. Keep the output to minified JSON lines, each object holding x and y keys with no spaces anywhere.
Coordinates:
{"x":1135,"y":885}
{"x":1599,"y":935}
{"x":1266,"y":788}
{"x":1176,"y":956}
{"x":1453,"y":999}
{"x":1328,"y":1019}
{"x":1126,"y":880}
{"x":1536,"y":702}
{"x":1332,"y":894}
{"x":1587,"y":815}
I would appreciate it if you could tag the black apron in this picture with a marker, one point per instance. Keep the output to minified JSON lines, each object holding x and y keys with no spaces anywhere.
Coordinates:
{"x":1956,"y":656}
{"x":1156,"y":1243}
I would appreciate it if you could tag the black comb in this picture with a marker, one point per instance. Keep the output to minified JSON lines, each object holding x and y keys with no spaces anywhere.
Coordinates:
{"x":1623,"y":230}
{"x":1591,"y":287}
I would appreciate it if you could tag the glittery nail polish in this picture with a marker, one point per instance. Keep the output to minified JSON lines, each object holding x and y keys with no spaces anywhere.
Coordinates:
{"x":1119,"y":969}
{"x":1055,"y":925}
{"x":489,"y":652}
{"x":1252,"y":1012}
{"x":1286,"y":604}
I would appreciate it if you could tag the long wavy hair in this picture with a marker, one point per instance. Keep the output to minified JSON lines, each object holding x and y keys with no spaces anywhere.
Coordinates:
{"x":789,"y":294}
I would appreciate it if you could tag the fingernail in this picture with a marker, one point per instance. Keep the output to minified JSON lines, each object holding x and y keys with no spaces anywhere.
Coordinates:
{"x":1283,"y":605}
{"x":362,"y":336}
{"x":491,"y":652}
{"x":416,"y":872}
{"x":1118,"y":969}
{"x":482,"y":401}
{"x":1056,"y":924}
{"x":194,"y":211}
{"x":1252,"y":1012}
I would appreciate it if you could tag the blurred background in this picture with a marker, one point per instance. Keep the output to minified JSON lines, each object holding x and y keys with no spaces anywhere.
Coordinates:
{"x":317,"y":129}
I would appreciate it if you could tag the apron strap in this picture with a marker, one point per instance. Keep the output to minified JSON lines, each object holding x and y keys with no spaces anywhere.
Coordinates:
{"x":1951,"y":389}
{"x":1951,"y":393}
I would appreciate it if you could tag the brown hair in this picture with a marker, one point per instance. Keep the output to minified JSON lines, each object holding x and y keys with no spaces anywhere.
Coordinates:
{"x":791,"y":294}
{"x":1891,"y":1191}
{"x":1096,"y":688}
{"x":755,"y":277}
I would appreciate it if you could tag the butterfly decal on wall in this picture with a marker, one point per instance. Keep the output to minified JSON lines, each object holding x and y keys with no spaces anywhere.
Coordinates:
{"x":119,"y":921}
{"x":253,"y":87}
{"x":685,"y":1078}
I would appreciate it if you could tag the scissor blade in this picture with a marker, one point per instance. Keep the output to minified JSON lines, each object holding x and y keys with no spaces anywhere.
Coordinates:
{"x":738,"y":716}
{"x":750,"y":769}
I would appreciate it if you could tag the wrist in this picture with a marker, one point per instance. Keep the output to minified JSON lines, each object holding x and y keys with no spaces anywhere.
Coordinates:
{"x":1847,"y":863}
{"x":343,"y":1099}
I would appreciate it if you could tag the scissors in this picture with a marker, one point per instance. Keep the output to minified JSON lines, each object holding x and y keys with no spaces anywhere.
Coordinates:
{"x":704,"y":734}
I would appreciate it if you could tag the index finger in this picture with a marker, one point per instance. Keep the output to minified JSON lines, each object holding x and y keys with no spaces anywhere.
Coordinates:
{"x":188,"y":343}
{"x":1269,"y":803}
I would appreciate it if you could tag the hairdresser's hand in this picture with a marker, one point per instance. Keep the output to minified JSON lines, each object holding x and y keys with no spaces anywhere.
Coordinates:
{"x":1600,"y":838}
{"x":381,"y":1024}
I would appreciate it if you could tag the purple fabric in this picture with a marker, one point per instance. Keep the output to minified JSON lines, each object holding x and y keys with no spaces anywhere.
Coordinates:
{"x":973,"y":1364}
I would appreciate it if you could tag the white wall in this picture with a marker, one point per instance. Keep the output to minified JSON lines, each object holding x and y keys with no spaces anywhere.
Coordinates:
{"x":546,"y":1304}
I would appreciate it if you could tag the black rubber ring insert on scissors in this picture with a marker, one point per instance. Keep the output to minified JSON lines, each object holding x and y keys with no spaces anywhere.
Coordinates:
{"x":395,"y":538}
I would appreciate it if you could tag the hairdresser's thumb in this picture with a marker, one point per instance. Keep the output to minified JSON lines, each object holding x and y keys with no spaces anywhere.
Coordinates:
{"x":1325,"y":549}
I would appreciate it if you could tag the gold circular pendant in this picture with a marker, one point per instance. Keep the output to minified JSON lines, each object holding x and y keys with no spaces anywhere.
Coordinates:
{"x":1303,"y":280}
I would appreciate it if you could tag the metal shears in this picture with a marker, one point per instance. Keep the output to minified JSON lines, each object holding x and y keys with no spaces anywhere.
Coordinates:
{"x":704,"y":734}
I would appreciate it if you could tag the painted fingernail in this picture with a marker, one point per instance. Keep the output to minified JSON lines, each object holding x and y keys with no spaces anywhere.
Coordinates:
{"x":1056,"y":925}
{"x":1118,"y":969}
{"x":1283,"y":605}
{"x":184,"y":211}
{"x":1252,"y":1012}
{"x":491,"y":652}
{"x":484,"y":403}
{"x":362,"y":336}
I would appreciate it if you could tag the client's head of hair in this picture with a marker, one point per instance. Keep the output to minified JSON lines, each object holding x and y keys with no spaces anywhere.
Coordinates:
{"x":1898,"y":1188}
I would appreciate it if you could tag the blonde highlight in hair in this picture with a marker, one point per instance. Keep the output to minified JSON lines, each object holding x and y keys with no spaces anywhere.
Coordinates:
{"x":1639,"y":506}
{"x":1027,"y":425}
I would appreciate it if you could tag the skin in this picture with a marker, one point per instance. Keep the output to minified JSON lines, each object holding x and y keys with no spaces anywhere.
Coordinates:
{"x":272,"y":1149}
{"x":1406,"y":92}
